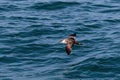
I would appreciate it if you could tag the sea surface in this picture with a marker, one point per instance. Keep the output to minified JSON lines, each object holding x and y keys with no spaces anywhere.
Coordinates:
{"x":30,"y":34}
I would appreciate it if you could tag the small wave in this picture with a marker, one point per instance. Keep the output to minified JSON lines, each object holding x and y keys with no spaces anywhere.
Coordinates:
{"x":22,"y":17}
{"x":112,"y":20}
{"x":113,"y":10}
{"x":53,"y":5}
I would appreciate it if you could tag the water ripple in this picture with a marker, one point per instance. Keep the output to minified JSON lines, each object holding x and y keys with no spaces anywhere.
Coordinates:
{"x":9,"y":7}
{"x":53,"y":5}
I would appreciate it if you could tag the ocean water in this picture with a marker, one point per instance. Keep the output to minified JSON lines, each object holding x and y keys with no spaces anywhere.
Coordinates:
{"x":30,"y":31}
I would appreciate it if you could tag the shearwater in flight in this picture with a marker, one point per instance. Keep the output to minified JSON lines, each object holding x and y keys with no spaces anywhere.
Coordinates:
{"x":70,"y":41}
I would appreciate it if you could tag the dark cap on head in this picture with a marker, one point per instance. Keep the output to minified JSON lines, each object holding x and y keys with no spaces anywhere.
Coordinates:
{"x":73,"y":34}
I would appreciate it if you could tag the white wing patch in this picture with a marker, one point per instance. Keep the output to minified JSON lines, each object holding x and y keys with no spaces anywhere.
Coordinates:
{"x":63,"y":41}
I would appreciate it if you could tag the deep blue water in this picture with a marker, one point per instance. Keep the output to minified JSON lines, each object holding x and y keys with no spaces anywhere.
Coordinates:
{"x":30,"y":31}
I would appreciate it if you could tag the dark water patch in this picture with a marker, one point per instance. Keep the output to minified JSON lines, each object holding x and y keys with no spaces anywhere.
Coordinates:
{"x":27,"y":33}
{"x":102,"y":40}
{"x":19,"y":69}
{"x":56,"y":60}
{"x":115,"y":1}
{"x":53,"y":5}
{"x":84,"y":29}
{"x":30,"y":33}
{"x":18,"y":45}
{"x":27,"y":48}
{"x":114,"y":47}
{"x":22,"y":18}
{"x":93,"y":25}
{"x":6,"y":59}
{"x":18,"y":41}
{"x":35,"y":26}
{"x":58,"y":25}
{"x":49,"y":31}
{"x":90,"y":7}
{"x":9,"y":7}
{"x":6,"y":51}
{"x":2,"y":17}
{"x":116,"y":39}
{"x":41,"y":27}
{"x":17,"y":0}
{"x":104,"y":6}
{"x":7,"y":79}
{"x":52,"y":72}
{"x":30,"y":60}
{"x":103,"y":65}
{"x":100,"y":67}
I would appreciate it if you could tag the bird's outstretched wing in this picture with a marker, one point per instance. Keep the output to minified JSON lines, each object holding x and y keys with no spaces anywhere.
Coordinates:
{"x":68,"y":48}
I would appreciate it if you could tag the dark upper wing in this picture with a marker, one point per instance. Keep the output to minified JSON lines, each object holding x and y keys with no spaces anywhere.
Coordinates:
{"x":69,"y":45}
{"x":76,"y":42}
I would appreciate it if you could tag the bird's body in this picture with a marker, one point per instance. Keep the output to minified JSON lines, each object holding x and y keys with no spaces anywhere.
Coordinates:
{"x":70,"y":41}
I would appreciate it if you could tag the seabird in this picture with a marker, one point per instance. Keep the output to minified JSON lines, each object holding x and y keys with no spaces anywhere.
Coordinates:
{"x":70,"y":41}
